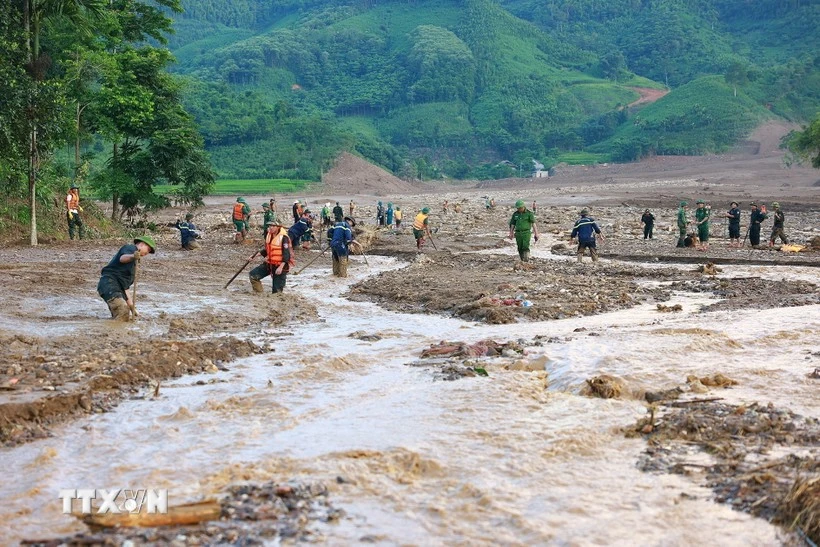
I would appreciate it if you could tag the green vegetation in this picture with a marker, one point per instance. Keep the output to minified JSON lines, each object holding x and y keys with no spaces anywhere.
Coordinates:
{"x":430,"y":88}
{"x":245,"y":187}
{"x":438,"y":87}
{"x":805,"y":144}
{"x":700,"y":117}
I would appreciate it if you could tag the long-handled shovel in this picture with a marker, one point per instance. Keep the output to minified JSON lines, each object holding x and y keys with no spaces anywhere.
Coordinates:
{"x":133,"y":306}
{"x":315,"y":258}
{"x":245,"y":265}
{"x":430,"y":234}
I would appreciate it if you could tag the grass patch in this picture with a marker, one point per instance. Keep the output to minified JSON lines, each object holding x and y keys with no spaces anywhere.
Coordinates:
{"x":224,"y":187}
{"x":582,"y":158}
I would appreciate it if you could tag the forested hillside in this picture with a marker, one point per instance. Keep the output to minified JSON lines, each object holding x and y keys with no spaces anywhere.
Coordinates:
{"x":453,"y":87}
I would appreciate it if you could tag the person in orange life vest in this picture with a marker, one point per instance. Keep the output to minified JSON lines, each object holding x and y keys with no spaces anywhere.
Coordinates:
{"x":240,"y":215}
{"x":73,"y":210}
{"x":278,"y":260}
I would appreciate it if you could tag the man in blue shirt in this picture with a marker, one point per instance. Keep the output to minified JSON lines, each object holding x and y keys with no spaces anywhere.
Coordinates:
{"x":300,"y":229}
{"x":585,"y":231}
{"x":340,"y":236}
{"x":188,"y":233}
{"x":733,"y":215}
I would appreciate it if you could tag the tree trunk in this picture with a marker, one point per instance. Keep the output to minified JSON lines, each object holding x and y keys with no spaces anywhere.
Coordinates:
{"x":32,"y":148}
{"x":77,"y":143}
{"x":32,"y":185}
{"x":115,"y":205}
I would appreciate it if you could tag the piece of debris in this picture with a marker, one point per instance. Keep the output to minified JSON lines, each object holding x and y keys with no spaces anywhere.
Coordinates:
{"x":709,"y":269}
{"x":715,"y":380}
{"x":484,"y":348}
{"x":604,"y":386}
{"x":364,"y":337}
{"x":664,"y":308}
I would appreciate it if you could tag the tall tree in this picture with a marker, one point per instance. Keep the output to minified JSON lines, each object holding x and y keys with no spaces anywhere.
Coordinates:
{"x":36,"y":15}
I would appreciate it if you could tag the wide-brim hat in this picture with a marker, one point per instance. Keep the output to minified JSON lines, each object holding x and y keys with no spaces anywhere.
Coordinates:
{"x":350,"y":221}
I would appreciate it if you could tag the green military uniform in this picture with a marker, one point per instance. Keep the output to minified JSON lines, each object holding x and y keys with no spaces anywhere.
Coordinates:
{"x":682,"y":223}
{"x":702,"y":215}
{"x":522,"y":223}
{"x":778,"y":230}
{"x":269,"y":218}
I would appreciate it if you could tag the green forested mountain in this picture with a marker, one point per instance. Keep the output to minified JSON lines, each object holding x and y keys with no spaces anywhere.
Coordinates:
{"x":452,"y":87}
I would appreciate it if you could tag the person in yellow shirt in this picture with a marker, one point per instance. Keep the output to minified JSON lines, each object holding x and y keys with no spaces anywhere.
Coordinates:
{"x":397,"y":216}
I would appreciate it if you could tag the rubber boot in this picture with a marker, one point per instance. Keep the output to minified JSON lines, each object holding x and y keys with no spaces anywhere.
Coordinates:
{"x":580,"y":257}
{"x":336,"y":267}
{"x":525,"y":256}
{"x":256,"y":285}
{"x":594,"y":254}
{"x":342,"y":266}
{"x":119,"y":309}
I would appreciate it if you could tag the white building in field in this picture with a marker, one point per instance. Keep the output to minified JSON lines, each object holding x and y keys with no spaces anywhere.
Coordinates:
{"x":538,"y":171}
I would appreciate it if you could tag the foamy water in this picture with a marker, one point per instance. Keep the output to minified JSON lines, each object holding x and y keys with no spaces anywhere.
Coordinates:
{"x":517,"y":458}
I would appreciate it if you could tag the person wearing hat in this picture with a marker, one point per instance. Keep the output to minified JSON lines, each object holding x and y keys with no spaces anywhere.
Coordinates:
{"x":188,"y":233}
{"x":388,"y":215}
{"x":648,"y":221}
{"x":702,"y":216}
{"x":73,"y":210}
{"x":380,"y":214}
{"x":683,"y":222}
{"x":278,"y":260}
{"x":756,"y":218}
{"x":584,"y":231}
{"x":118,"y":275}
{"x":339,"y":237}
{"x":778,"y":229}
{"x":268,"y":218}
{"x":733,"y":215}
{"x":522,"y":226}
{"x":241,"y":212}
{"x":339,"y":213}
{"x":301,"y":229}
{"x":421,"y":227}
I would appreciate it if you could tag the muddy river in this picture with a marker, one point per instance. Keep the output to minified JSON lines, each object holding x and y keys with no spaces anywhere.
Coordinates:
{"x":516,"y":457}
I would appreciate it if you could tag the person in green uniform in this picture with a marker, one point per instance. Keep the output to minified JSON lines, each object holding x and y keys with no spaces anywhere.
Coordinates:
{"x":269,"y":219}
{"x":702,"y":216}
{"x":522,"y":226}
{"x":778,"y":230}
{"x":683,"y":222}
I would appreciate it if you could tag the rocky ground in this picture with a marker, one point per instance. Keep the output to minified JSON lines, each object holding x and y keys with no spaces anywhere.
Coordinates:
{"x":61,"y":358}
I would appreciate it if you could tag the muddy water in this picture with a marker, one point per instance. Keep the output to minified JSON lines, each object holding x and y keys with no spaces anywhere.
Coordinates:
{"x":479,"y":460}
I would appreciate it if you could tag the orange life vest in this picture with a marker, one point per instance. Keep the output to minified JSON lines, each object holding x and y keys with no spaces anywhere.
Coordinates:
{"x":274,"y":250}
{"x":73,"y":201}
{"x":418,"y":223}
{"x":239,"y":211}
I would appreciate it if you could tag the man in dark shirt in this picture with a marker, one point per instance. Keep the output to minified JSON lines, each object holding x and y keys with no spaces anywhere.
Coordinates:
{"x":648,"y":221}
{"x":300,"y":229}
{"x":585,"y":230}
{"x":756,"y":217}
{"x":733,"y":215}
{"x":118,"y":275}
{"x":338,"y":213}
{"x":188,"y":233}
